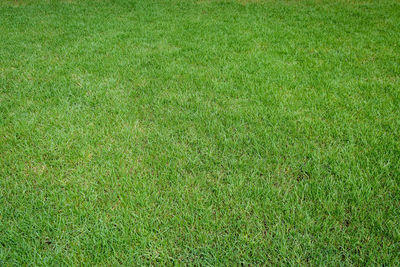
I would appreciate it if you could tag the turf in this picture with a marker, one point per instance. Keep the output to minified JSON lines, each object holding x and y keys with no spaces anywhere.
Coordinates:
{"x":199,"y":132}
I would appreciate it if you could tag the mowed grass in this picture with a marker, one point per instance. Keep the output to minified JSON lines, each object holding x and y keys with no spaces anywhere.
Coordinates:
{"x":199,"y":132}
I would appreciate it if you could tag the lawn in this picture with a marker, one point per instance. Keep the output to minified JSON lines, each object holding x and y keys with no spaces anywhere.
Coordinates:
{"x":199,"y":132}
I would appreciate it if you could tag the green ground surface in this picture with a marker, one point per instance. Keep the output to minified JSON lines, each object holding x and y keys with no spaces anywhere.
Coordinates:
{"x":199,"y":132}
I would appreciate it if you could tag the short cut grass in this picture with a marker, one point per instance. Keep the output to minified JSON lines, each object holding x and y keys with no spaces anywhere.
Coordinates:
{"x":199,"y":132}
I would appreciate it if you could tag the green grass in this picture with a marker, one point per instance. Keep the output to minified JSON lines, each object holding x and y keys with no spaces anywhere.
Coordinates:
{"x":199,"y":132}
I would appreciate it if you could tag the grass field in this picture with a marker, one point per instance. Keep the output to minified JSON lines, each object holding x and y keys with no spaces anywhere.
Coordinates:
{"x":200,"y":132}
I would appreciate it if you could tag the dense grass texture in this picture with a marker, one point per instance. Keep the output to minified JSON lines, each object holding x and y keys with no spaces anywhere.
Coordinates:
{"x":199,"y":132}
